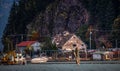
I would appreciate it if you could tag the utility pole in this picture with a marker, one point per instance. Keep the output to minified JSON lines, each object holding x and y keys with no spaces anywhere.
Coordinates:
{"x":90,"y":39}
{"x":116,"y":43}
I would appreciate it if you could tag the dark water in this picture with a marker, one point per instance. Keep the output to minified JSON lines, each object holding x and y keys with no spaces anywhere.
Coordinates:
{"x":61,"y":67}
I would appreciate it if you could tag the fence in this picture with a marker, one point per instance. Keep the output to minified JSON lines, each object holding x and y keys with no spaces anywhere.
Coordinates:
{"x":56,"y":55}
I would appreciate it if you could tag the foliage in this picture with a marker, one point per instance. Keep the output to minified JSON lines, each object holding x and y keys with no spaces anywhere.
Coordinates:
{"x":116,"y":32}
{"x":49,"y":17}
{"x":116,"y":28}
{"x":21,"y":15}
{"x":82,"y":32}
{"x":48,"y":45}
{"x":35,"y":35}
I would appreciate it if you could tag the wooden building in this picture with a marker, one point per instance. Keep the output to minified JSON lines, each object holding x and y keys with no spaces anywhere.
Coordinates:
{"x":67,"y":41}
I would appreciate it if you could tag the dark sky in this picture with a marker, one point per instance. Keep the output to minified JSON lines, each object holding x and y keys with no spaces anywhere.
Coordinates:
{"x":5,"y":6}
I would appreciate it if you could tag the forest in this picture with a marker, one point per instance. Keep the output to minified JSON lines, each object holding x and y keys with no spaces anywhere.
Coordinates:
{"x":43,"y":19}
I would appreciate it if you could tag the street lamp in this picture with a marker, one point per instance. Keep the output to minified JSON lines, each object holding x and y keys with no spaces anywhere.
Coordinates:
{"x":90,"y":39}
{"x":116,"y":43}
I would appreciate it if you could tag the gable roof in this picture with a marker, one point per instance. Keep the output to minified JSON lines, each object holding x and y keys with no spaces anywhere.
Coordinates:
{"x":62,"y":38}
{"x":25,"y":43}
{"x":66,"y":41}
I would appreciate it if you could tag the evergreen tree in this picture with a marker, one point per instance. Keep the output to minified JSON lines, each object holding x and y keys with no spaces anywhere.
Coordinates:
{"x":105,"y":14}
{"x":116,"y":32}
{"x":10,"y":28}
{"x":12,"y":20}
{"x":101,"y":14}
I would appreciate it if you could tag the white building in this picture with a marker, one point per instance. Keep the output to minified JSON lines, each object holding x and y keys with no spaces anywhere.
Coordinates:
{"x":102,"y":55}
{"x":34,"y":45}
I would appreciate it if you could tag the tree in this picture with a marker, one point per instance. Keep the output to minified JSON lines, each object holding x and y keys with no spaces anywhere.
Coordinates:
{"x":106,"y":14}
{"x":10,"y":28}
{"x":12,"y":20}
{"x":116,"y":28}
{"x":116,"y":31}
{"x":82,"y":31}
{"x":48,"y":45}
{"x":35,"y":35}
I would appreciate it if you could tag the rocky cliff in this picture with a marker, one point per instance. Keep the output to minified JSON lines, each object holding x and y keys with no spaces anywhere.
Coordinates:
{"x":60,"y":16}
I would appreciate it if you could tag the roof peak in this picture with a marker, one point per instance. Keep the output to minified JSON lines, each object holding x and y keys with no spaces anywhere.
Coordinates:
{"x":25,"y":43}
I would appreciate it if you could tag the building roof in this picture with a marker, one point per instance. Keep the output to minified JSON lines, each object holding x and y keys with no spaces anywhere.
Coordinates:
{"x":64,"y":40}
{"x":61,"y":39}
{"x":25,"y":43}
